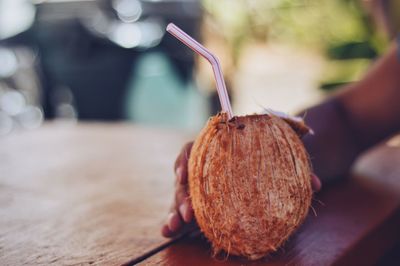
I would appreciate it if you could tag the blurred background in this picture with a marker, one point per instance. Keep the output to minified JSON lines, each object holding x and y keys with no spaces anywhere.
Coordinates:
{"x":110,"y":60}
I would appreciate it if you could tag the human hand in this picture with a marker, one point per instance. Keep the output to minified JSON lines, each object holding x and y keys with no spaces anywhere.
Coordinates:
{"x":181,"y":215}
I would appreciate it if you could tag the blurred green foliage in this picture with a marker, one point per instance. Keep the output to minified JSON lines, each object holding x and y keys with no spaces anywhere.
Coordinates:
{"x":340,"y":29}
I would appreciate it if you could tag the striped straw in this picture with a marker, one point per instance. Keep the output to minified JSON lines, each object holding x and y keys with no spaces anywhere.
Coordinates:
{"x":204,"y":52}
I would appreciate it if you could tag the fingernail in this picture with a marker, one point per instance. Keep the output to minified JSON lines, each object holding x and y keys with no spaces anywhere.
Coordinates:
{"x":183,"y":210}
{"x":174,"y":221}
{"x":170,"y":219}
{"x":179,"y":172}
{"x":186,"y":211}
{"x":165,"y":231}
{"x":316,"y":183}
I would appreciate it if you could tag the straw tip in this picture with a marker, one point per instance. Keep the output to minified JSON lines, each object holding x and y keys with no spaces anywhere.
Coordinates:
{"x":170,"y":26}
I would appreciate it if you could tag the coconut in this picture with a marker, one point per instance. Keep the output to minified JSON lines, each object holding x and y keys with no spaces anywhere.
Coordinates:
{"x":249,"y":182}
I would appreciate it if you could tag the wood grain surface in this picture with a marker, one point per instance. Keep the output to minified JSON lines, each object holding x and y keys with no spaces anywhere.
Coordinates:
{"x":97,"y":194}
{"x":86,"y":194}
{"x":356,"y":223}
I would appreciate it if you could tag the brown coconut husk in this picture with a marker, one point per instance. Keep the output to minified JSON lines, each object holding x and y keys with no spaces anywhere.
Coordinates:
{"x":249,"y":181}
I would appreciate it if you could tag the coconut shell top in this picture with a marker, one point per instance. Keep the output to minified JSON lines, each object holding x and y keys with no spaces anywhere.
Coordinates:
{"x":249,"y":182}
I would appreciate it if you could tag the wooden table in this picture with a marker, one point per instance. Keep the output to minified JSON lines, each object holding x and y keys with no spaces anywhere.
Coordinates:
{"x":97,"y":194}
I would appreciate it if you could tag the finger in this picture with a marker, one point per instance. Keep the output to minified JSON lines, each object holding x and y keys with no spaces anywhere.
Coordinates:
{"x":174,"y":222}
{"x":165,"y":231}
{"x":181,"y":173}
{"x":186,"y":211}
{"x":315,"y":183}
{"x":183,"y":154}
{"x":181,"y":163}
{"x":183,"y":204}
{"x":181,"y":193}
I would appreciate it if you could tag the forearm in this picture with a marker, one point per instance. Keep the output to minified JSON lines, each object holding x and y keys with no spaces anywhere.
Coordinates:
{"x":358,"y":117}
{"x":373,"y":104}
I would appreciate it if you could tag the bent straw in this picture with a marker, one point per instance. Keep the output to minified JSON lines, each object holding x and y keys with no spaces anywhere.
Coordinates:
{"x":201,"y":50}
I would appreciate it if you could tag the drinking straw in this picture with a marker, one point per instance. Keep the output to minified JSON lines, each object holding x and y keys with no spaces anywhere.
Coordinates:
{"x":204,"y":52}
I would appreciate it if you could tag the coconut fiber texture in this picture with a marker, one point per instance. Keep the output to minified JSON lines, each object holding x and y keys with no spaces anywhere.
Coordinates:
{"x":249,"y":182}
